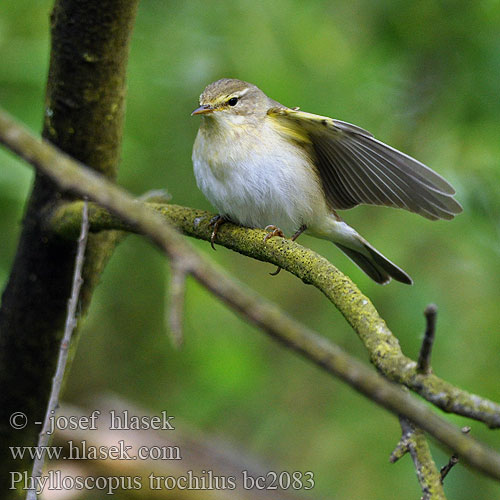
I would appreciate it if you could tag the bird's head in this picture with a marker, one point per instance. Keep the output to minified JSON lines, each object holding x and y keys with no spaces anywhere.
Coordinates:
{"x":232,"y":100}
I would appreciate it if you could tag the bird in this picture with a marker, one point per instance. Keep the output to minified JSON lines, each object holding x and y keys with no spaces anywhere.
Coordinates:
{"x":264,"y":165}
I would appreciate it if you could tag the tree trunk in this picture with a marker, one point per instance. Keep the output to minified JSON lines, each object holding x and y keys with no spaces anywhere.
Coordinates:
{"x":84,"y":112}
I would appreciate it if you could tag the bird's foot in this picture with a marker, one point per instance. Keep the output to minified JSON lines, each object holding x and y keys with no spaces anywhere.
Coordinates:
{"x":215,"y":223}
{"x":272,"y":232}
{"x":276,"y":231}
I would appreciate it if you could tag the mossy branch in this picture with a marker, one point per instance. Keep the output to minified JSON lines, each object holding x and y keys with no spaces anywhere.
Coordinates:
{"x":383,"y":347}
{"x":414,"y":442}
{"x":75,"y":177}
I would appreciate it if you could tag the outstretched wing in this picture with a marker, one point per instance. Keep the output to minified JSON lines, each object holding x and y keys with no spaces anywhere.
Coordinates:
{"x":355,"y":168}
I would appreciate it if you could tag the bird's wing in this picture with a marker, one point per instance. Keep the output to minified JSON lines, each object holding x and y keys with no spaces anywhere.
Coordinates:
{"x":355,"y":168}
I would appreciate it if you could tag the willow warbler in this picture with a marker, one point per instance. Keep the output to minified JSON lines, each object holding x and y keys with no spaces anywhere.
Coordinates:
{"x":262,"y":164}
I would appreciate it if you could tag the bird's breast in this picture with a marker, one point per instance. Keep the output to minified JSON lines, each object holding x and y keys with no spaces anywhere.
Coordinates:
{"x":257,"y":178}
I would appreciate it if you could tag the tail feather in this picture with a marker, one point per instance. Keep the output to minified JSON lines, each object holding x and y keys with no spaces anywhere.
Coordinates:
{"x":394,"y":271}
{"x":375,"y":265}
{"x":375,"y":272}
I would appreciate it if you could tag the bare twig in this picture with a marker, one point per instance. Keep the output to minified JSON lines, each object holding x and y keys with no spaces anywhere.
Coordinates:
{"x":453,"y":459}
{"x":43,"y":439}
{"x":413,"y":441}
{"x":361,"y":314}
{"x":424,"y":358}
{"x":446,"y":468}
{"x":175,"y":310}
{"x":400,"y":450}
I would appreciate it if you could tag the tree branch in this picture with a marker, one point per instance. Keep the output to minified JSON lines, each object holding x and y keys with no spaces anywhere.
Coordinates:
{"x":73,"y":176}
{"x":383,"y":347}
{"x":413,"y":441}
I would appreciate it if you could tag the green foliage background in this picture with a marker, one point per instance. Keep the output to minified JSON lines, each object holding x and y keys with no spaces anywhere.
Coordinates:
{"x":423,"y":76}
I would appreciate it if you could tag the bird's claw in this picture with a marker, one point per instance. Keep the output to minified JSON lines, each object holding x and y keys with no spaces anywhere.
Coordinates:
{"x":215,"y":223}
{"x":276,"y":231}
{"x":272,"y":232}
{"x":275,"y":273}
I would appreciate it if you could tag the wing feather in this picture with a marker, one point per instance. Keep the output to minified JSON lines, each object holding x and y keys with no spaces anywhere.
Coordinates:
{"x":427,"y":196}
{"x":390,"y":192}
{"x":344,"y":187}
{"x":380,"y":189}
{"x":355,"y":168}
{"x":398,"y":195}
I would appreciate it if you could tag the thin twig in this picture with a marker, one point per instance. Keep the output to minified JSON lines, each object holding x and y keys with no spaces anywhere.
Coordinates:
{"x":402,"y":448}
{"x":453,"y":459}
{"x":424,"y":358}
{"x":358,"y":310}
{"x":414,"y":442}
{"x":44,"y":437}
{"x":175,"y":310}
{"x":446,"y":468}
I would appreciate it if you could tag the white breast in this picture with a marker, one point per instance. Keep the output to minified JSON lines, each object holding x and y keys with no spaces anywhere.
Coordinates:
{"x":255,"y":184}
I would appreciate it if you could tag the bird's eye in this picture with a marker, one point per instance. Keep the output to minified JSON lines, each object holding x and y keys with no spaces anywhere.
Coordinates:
{"x":232,"y":101}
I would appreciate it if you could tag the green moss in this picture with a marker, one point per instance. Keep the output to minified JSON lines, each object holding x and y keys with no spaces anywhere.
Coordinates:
{"x":383,"y":347}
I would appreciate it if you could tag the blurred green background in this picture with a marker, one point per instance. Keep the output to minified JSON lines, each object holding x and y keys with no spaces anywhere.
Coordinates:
{"x":424,"y":77}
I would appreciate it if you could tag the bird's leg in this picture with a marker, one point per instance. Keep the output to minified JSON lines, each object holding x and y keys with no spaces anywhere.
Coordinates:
{"x":276,"y":231}
{"x":215,"y":223}
{"x":298,"y":232}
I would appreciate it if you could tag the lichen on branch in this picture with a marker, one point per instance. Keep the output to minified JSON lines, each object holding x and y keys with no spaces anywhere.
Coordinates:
{"x":382,"y":345}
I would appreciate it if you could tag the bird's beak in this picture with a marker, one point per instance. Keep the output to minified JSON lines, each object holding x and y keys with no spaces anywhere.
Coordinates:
{"x":202,"y":110}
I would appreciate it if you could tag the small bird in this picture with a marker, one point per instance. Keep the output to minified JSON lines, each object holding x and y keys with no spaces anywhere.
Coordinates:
{"x":264,"y":165}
